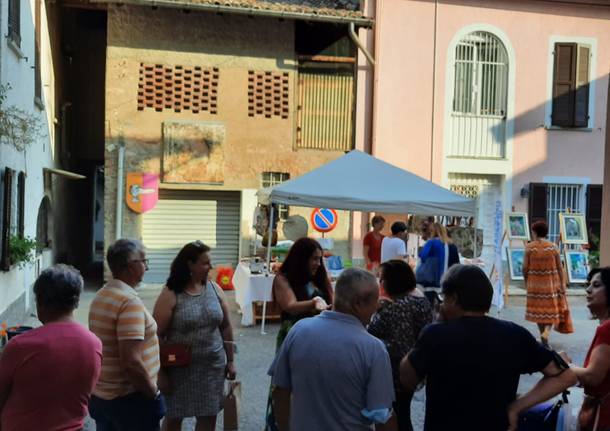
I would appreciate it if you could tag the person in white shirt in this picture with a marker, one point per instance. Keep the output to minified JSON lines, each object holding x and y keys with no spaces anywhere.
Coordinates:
{"x":395,"y":246}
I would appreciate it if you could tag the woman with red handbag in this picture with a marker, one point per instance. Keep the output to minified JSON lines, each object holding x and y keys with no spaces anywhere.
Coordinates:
{"x":595,"y":375}
{"x":196,"y":338}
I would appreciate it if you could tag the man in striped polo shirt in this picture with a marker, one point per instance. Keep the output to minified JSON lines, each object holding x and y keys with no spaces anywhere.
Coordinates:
{"x":126,"y":396}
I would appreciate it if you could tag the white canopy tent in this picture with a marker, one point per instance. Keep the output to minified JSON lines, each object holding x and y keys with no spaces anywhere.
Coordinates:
{"x":360,"y":182}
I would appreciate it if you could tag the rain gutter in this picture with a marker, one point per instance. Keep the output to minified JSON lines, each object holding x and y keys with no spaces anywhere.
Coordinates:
{"x":249,"y":11}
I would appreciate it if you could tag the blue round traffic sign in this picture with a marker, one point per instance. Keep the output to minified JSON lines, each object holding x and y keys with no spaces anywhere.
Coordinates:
{"x":324,"y":219}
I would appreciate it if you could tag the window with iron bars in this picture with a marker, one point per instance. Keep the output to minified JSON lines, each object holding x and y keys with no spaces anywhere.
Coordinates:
{"x":270,"y":179}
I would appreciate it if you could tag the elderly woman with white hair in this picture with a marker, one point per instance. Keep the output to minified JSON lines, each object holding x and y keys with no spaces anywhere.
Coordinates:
{"x":47,"y":374}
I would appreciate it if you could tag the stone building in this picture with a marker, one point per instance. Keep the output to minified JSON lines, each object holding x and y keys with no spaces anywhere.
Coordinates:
{"x":218,"y":100}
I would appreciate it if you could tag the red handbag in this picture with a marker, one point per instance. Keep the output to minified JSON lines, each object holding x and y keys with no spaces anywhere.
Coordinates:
{"x":175,"y":355}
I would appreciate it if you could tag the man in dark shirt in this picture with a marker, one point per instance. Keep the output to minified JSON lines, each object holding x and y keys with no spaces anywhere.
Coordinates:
{"x":472,"y":362}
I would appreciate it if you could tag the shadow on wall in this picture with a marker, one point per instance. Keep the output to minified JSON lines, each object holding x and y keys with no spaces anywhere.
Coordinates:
{"x":568,"y":152}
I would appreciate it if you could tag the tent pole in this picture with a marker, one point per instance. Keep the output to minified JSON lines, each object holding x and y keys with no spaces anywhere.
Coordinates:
{"x":269,"y":241}
{"x":474,"y":246}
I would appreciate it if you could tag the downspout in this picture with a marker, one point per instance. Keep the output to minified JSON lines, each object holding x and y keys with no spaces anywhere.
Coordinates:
{"x":119,"y":190}
{"x":354,"y":37}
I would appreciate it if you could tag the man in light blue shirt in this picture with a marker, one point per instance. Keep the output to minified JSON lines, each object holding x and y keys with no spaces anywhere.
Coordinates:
{"x":330,"y":373}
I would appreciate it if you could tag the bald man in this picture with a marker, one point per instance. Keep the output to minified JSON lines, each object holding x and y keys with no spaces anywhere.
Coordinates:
{"x":330,"y":373}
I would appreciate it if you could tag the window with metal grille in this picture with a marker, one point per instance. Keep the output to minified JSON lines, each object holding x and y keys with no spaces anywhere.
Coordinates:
{"x":571,"y":85}
{"x":268,"y":94}
{"x":270,"y":179}
{"x":481,"y":75}
{"x":325,"y":116}
{"x":14,"y":21}
{"x":560,"y":197}
{"x":178,"y":88}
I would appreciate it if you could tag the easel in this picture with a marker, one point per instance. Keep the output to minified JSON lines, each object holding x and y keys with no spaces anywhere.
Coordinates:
{"x":494,"y":271}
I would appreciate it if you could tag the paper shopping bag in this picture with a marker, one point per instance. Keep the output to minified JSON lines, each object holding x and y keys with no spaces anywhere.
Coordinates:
{"x":231,"y":405}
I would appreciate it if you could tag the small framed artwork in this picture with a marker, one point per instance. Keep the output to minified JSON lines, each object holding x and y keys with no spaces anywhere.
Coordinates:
{"x":577,"y":266}
{"x":518,"y":227}
{"x":573,"y":228}
{"x":515,"y":262}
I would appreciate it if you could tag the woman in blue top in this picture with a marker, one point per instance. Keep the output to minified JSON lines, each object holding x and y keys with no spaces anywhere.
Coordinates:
{"x":437,"y":248}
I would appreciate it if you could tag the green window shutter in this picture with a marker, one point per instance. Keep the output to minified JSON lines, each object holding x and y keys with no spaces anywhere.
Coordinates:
{"x":581,"y":94}
{"x":564,"y":84}
{"x":21,"y":196}
{"x":5,"y":264}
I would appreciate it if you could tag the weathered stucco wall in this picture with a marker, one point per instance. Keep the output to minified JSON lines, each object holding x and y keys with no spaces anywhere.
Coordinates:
{"x":232,"y":44}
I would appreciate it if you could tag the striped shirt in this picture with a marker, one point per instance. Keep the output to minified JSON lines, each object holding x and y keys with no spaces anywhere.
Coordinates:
{"x":117,"y":313}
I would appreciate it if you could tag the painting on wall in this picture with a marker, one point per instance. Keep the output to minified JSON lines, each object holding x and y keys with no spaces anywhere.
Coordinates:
{"x":515,"y":262}
{"x":577,"y":266}
{"x":573,"y":228}
{"x":193,"y":152}
{"x":517,"y":225}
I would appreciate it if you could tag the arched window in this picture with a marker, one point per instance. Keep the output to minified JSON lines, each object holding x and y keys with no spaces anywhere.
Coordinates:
{"x":481,"y":75}
{"x":43,"y":224}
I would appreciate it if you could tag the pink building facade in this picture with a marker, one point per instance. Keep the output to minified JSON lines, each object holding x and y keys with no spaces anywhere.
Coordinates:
{"x":504,"y":101}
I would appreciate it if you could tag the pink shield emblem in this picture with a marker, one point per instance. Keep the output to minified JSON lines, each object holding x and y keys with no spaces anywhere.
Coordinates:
{"x":142,"y":191}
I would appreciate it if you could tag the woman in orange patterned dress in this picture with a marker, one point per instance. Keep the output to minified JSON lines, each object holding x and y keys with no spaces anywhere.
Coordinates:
{"x":547,"y":304}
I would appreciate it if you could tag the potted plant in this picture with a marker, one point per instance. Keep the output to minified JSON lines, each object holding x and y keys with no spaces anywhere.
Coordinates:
{"x":22,"y":250}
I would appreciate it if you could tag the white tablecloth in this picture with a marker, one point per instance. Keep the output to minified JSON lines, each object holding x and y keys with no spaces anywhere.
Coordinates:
{"x":250,"y":288}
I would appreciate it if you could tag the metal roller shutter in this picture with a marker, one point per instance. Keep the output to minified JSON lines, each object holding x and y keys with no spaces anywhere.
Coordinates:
{"x":182,"y":216}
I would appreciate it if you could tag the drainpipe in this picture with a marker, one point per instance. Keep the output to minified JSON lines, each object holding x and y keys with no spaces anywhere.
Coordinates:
{"x":354,"y":37}
{"x":119,"y":189}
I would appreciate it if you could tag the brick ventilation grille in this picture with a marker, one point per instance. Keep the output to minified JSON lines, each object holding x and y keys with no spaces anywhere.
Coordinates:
{"x":268,"y":94}
{"x":178,"y":88}
{"x":468,"y":190}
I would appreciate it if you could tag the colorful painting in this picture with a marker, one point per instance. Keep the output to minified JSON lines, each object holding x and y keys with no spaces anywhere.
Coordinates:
{"x":515,"y":262}
{"x":517,"y":225}
{"x":577,"y":266}
{"x":573,"y":228}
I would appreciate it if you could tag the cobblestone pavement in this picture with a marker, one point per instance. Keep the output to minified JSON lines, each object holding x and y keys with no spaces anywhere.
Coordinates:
{"x":256,"y":352}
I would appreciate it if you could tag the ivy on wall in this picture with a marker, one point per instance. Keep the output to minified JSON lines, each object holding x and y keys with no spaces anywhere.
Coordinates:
{"x":18,"y":128}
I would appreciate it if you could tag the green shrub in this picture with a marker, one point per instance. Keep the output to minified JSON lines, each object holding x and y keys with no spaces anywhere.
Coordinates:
{"x":22,"y":251}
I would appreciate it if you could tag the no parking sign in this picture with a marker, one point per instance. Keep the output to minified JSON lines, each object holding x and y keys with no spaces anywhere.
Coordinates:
{"x":324,"y":219}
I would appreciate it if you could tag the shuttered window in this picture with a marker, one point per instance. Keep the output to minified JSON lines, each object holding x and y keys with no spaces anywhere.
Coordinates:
{"x":7,"y":194}
{"x":14,"y":21}
{"x":571,"y":85}
{"x":594,"y":214}
{"x":21,"y":204}
{"x":537,"y":202}
{"x":325,"y":115}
